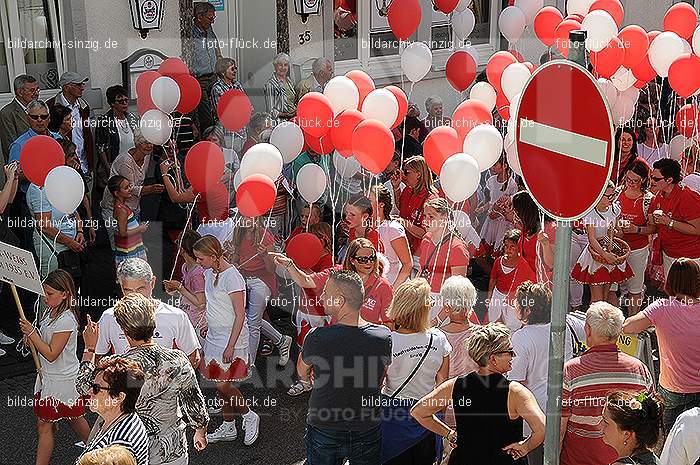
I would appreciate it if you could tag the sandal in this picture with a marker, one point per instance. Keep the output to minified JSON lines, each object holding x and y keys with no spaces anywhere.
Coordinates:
{"x":266,"y":347}
{"x":299,"y":388}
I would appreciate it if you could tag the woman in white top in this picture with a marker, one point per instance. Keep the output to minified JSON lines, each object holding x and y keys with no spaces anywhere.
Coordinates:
{"x":392,"y":234}
{"x":651,"y":146}
{"x":226,"y":357}
{"x":500,"y":186}
{"x":56,"y":341}
{"x":420,"y":361}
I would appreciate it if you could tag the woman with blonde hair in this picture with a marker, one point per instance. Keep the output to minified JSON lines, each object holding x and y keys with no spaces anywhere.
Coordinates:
{"x":112,"y":455}
{"x":361,"y":257}
{"x":420,"y":361}
{"x":226,"y":353}
{"x":419,"y":189}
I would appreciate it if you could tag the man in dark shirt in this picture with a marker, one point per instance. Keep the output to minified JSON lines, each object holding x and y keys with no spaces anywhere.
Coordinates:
{"x":347,"y":362}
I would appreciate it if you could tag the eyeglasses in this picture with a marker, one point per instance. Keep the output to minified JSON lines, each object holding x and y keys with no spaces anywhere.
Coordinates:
{"x":39,"y":117}
{"x":365,"y":260}
{"x":122,"y":100}
{"x":510,"y":352}
{"x":96,"y":388}
{"x":655,"y":179}
{"x":632,"y":181}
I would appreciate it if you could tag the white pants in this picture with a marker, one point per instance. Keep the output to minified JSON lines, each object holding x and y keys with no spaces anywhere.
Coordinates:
{"x":638,"y":261}
{"x":258,"y":295}
{"x":498,"y":308}
{"x":578,"y":243}
{"x":668,"y":261}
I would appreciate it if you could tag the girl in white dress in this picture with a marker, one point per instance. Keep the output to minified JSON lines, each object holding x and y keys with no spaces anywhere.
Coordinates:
{"x":500,"y":186}
{"x":56,"y":341}
{"x":587,"y":270}
{"x":226,"y":357}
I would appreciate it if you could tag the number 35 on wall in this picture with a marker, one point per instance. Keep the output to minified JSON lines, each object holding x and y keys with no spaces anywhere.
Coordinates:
{"x":304,"y":37}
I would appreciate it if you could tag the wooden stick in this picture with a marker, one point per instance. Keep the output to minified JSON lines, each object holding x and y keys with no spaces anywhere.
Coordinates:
{"x":37,"y":363}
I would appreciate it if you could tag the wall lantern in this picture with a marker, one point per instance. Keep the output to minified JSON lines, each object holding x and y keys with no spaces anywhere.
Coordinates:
{"x":306,"y":8}
{"x":146,"y":15}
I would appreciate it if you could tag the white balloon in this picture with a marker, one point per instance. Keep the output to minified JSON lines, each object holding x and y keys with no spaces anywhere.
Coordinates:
{"x":485,"y":144}
{"x":512,"y":157}
{"x":696,"y":41}
{"x":463,"y":23}
{"x":156,"y":127}
{"x":686,"y":46}
{"x":514,"y":78}
{"x":511,"y":23}
{"x":381,"y":104}
{"x":622,"y":112}
{"x":484,"y":92}
{"x":459,"y":177}
{"x":165,"y":94}
{"x":346,"y":167}
{"x":463,"y":224}
{"x":262,"y":159}
{"x":678,"y":145}
{"x":663,"y":51}
{"x":623,"y":79}
{"x":342,"y":93}
{"x":237,"y":180}
{"x":629,"y":97}
{"x":578,"y":7}
{"x":609,"y":91}
{"x":463,"y":5}
{"x":64,"y":189}
{"x":515,"y":101}
{"x":530,"y":8}
{"x":311,"y":182}
{"x":601,"y":29}
{"x":289,"y":140}
{"x":416,"y":61}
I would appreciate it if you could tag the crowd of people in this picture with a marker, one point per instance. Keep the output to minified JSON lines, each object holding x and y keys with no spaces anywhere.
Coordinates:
{"x":422,"y":328}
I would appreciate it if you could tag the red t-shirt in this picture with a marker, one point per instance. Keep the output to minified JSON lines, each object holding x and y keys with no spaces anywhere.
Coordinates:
{"x":503,"y":280}
{"x":411,"y":209}
{"x":681,"y":204}
{"x":254,"y":266}
{"x":378,"y":295}
{"x":372,"y":235}
{"x":326,"y":261}
{"x":311,"y":303}
{"x":452,"y":252}
{"x":298,"y":230}
{"x":632,"y":210}
{"x":528,"y":251}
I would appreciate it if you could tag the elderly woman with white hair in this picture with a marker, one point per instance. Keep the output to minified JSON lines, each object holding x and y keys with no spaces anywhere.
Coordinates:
{"x":435,"y":118}
{"x":490,"y":410}
{"x":280,"y":96}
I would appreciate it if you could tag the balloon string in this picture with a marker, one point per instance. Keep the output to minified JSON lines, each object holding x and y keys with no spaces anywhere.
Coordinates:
{"x":403,"y":137}
{"x":182,"y":236}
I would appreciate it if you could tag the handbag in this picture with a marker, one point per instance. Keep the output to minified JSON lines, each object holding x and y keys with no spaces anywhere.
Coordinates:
{"x":70,"y":261}
{"x":415,"y":369}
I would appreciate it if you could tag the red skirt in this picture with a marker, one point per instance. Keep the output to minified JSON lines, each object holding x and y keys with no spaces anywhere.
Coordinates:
{"x":236,"y":372}
{"x":51,"y":410}
{"x":602,"y":275}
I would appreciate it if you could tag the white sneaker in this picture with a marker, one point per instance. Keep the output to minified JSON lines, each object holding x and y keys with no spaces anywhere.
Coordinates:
{"x":284,"y":347}
{"x":225,"y":432}
{"x":5,"y":339}
{"x":251,"y":424}
{"x":2,"y":352}
{"x":214,"y":410}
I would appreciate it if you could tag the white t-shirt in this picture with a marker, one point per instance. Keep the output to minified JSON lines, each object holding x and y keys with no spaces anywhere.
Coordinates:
{"x":407,"y":350}
{"x":391,"y":230}
{"x":602,"y":221}
{"x":222,"y":230}
{"x":693,"y":181}
{"x":220,"y":314}
{"x":58,"y":377}
{"x":394,"y":200}
{"x":126,"y":137}
{"x":651,"y":154}
{"x":682,"y":445}
{"x":495,"y":188}
{"x":173,"y":330}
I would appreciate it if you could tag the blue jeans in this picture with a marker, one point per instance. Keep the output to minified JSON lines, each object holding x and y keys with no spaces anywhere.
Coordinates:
{"x":676,"y":403}
{"x":327,"y":446}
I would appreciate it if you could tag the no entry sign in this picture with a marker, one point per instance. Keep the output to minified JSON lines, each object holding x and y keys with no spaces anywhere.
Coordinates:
{"x":564,"y":139}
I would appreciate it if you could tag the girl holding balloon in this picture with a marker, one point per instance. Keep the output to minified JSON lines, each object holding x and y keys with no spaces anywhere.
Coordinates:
{"x":128,"y":239}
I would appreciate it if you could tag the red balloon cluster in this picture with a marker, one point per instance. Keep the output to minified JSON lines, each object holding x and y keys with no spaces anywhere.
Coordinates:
{"x":175,"y":68}
{"x":343,"y":127}
{"x":607,"y":61}
{"x":38,"y":157}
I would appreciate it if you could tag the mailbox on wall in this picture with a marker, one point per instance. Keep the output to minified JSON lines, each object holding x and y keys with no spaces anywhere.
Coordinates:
{"x":145,"y":59}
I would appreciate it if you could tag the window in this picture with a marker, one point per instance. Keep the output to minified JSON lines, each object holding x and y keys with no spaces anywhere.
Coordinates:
{"x":440,"y":31}
{"x":382,"y":42}
{"x":31,"y":42}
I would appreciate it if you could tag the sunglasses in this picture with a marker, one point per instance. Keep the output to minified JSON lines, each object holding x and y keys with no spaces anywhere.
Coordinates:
{"x":365,"y":260}
{"x":96,"y":388}
{"x":655,"y":179}
{"x":510,"y":352}
{"x":122,"y":100}
{"x":39,"y":117}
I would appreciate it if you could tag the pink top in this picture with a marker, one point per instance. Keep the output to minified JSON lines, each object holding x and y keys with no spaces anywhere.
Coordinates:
{"x":460,"y":361}
{"x":678,"y":331}
{"x":193,"y":281}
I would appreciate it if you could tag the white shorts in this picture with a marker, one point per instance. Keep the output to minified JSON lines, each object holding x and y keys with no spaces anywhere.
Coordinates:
{"x":637,"y":260}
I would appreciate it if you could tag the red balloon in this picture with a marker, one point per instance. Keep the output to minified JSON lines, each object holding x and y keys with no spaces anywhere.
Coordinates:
{"x":562,"y":33}
{"x":503,"y":106}
{"x":608,"y":61}
{"x":363,"y":82}
{"x":404,"y":18}
{"x":403,"y":103}
{"x":322,"y":145}
{"x":446,"y":6}
{"x":314,"y":114}
{"x":636,"y":43}
{"x":39,"y":155}
{"x":204,"y":166}
{"x":214,"y":203}
{"x":468,"y":115}
{"x":305,"y":250}
{"x":373,"y":145}
{"x":460,"y":70}
{"x":255,"y":196}
{"x":643,"y":71}
{"x":440,"y":144}
{"x":343,"y":127}
{"x":575,"y":17}
{"x":190,"y":93}
{"x":684,"y":75}
{"x":681,"y":18}
{"x":518,"y":56}
{"x":234,"y":109}
{"x":172,"y":67}
{"x":639,"y":84}
{"x":495,"y":67}
{"x":613,"y":7}
{"x":145,"y":103}
{"x":688,"y":120}
{"x":144,"y":83}
{"x":546,"y":22}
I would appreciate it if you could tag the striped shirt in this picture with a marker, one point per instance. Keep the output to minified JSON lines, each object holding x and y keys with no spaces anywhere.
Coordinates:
{"x":128,"y":432}
{"x":587,"y":381}
{"x":131,"y":245}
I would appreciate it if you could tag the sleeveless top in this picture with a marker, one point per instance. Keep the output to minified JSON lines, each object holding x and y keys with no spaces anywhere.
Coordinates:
{"x":483,"y":425}
{"x":132,"y":244}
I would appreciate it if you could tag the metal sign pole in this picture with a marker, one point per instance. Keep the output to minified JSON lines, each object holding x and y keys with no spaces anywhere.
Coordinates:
{"x":560,"y":305}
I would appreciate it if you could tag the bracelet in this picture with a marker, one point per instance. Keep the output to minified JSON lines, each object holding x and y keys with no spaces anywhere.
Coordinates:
{"x":639,"y":230}
{"x":33,"y":331}
{"x":90,"y":350}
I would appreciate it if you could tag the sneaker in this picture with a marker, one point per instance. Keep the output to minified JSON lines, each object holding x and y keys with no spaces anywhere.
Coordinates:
{"x":2,"y":352}
{"x":225,"y":432}
{"x":284,"y":347}
{"x":5,"y":339}
{"x":214,"y":410}
{"x":251,"y":423}
{"x":299,"y":388}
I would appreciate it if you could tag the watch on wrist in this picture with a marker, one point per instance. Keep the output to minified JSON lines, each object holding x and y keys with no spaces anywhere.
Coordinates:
{"x":670,"y":224}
